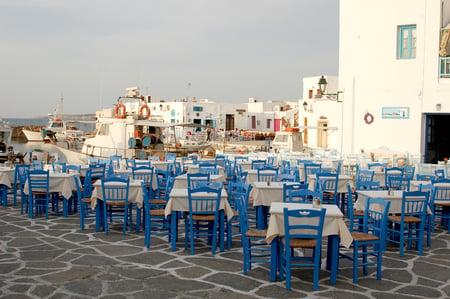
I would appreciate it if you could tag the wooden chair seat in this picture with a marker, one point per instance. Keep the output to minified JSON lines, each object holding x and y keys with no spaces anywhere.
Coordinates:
{"x":256,"y":233}
{"x":157,"y":202}
{"x":442,"y":204}
{"x":202,"y":217}
{"x":363,"y":237}
{"x":407,"y":219}
{"x":358,"y":213}
{"x":301,"y":243}
{"x":115,"y":203}
{"x":159,"y":212}
{"x":86,"y":200}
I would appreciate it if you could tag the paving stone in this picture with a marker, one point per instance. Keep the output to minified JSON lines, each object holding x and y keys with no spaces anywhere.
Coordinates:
{"x":16,"y":296}
{"x":119,"y":250}
{"x":139,"y":274}
{"x":401,"y":276}
{"x":221,"y":294}
{"x":192,"y":272}
{"x":43,"y":291}
{"x":85,"y":287}
{"x":420,"y":291}
{"x":175,"y":284}
{"x":24,"y":242}
{"x":46,"y":265}
{"x":19,"y":288}
{"x":435,"y":272}
{"x":9,"y":267}
{"x":278,"y":291}
{"x":218,"y":264}
{"x":43,"y":253}
{"x":174,"y":265}
{"x":124,"y":286}
{"x":75,"y":273}
{"x":149,"y":258}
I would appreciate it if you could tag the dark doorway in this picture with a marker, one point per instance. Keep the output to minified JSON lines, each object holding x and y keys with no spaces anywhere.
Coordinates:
{"x":437,"y":137}
{"x":229,"y":122}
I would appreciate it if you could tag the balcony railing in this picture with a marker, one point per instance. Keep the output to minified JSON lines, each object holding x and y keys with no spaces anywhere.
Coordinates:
{"x":444,"y":67}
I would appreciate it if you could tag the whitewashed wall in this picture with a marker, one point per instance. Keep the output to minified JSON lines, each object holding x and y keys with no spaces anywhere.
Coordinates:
{"x":372,"y":77}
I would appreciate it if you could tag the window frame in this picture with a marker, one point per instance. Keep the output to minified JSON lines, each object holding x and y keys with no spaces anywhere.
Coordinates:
{"x":411,"y":40}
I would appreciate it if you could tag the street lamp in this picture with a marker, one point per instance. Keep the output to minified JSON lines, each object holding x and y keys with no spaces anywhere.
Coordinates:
{"x":333,"y":97}
{"x":323,"y":88}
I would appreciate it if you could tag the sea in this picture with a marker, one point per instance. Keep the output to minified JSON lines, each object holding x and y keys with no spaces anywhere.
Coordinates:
{"x":38,"y":121}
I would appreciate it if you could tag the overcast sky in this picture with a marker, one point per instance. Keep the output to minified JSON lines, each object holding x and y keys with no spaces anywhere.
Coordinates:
{"x":89,"y":51}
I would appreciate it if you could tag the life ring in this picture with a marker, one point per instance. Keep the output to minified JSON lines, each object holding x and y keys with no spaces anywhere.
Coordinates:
{"x":368,"y":118}
{"x":147,"y":111}
{"x":120,"y":111}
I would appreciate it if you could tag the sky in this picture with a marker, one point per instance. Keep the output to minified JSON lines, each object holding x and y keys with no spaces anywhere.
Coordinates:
{"x":89,"y":51}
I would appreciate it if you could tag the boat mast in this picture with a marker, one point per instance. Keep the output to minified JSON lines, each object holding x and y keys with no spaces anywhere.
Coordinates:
{"x":62,"y":107}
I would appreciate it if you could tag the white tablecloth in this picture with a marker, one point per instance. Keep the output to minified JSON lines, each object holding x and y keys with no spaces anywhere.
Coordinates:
{"x":179,"y":201}
{"x":135,"y":194}
{"x":181,"y":180}
{"x":6,"y":176}
{"x":333,"y":225}
{"x":263,"y":194}
{"x":63,"y":183}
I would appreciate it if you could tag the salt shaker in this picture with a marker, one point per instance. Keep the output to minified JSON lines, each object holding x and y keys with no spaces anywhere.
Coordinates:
{"x":316,"y":203}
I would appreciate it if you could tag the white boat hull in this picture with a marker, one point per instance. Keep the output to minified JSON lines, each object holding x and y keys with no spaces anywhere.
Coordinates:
{"x":33,"y":136}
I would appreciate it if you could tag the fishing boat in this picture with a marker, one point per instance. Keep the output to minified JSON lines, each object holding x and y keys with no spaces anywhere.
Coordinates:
{"x":5,"y":141}
{"x":130,"y":131}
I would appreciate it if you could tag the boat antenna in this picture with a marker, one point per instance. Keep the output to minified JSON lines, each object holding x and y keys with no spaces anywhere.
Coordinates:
{"x":62,"y":106}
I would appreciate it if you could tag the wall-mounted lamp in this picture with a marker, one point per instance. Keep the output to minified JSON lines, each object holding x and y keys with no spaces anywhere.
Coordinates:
{"x":438,"y":107}
{"x":323,"y":88}
{"x":305,"y":106}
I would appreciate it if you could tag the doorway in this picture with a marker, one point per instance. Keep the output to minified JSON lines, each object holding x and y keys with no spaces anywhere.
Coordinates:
{"x":322,"y":133}
{"x":437,"y":137}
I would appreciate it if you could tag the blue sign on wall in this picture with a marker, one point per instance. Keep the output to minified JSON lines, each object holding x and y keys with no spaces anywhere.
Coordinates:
{"x":395,"y":112}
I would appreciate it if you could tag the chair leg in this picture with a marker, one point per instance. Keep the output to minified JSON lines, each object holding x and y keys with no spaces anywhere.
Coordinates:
{"x":355,"y":262}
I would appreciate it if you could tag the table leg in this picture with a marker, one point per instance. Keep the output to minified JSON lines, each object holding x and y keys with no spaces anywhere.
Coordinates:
{"x":261,"y":217}
{"x":333,"y":257}
{"x":174,"y":232}
{"x":98,"y":216}
{"x":274,"y":255}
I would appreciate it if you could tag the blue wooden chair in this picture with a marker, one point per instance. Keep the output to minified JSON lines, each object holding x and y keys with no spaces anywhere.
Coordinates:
{"x":311,"y":169}
{"x":328,"y":184}
{"x":368,"y":186}
{"x":392,"y":171}
{"x":408,"y":171}
{"x":39,"y":194}
{"x":439,"y":205}
{"x":409,"y":226}
{"x":398,"y":183}
{"x":425,"y":177}
{"x":267,"y":173}
{"x":84,"y":201}
{"x":258,"y":164}
{"x":235,"y":192}
{"x":204,"y":204}
{"x":76,"y":169}
{"x":162,"y":178}
{"x":98,"y":171}
{"x":208,"y":169}
{"x":20,"y":177}
{"x":146,"y":175}
{"x":289,"y":187}
{"x":170,"y":157}
{"x":220,"y":160}
{"x":193,"y":179}
{"x":371,"y":242}
{"x":295,"y":236}
{"x":355,"y":217}
{"x":155,"y":221}
{"x":304,"y":196}
{"x":37,"y":165}
{"x":142,"y":163}
{"x":59,"y":166}
{"x":363,"y":175}
{"x":254,"y":246}
{"x":115,"y":202}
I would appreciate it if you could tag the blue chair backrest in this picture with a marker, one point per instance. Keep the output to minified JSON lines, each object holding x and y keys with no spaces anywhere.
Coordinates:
{"x":170,"y":157}
{"x":312,"y":229}
{"x":98,"y":171}
{"x":289,"y":187}
{"x":375,"y":218}
{"x":368,"y":186}
{"x":408,"y":171}
{"x":73,"y":169}
{"x":258,"y":164}
{"x":204,"y":200}
{"x":37,"y":164}
{"x":59,"y":166}
{"x":194,"y":178}
{"x":415,"y":204}
{"x":38,"y":180}
{"x":237,"y":190}
{"x":143,"y":173}
{"x":21,"y":173}
{"x":398,"y":183}
{"x":304,"y":195}
{"x":267,"y":173}
{"x":115,"y":190}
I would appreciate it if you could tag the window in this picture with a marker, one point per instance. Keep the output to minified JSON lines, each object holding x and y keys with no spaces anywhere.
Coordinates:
{"x":197,"y":108}
{"x":407,"y":42}
{"x":103,"y":130}
{"x":269,"y":123}
{"x":253,"y":122}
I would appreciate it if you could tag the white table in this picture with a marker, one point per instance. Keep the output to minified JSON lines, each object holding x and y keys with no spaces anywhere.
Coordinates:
{"x":342,"y":182}
{"x":7,"y":176}
{"x":334,"y":227}
{"x":179,"y":202}
{"x":129,"y":173}
{"x":181,"y":180}
{"x":135,"y":194}
{"x":63,"y":183}
{"x":194,"y":168}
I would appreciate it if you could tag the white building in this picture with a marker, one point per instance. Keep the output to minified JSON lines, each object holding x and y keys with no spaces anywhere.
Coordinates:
{"x":396,"y":86}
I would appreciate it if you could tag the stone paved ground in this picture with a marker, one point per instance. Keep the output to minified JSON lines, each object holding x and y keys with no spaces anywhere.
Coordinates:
{"x":53,"y":258}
